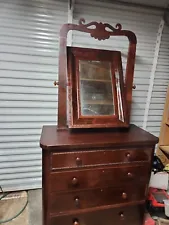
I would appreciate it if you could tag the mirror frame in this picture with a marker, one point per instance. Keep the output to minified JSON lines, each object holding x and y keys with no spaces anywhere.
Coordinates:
{"x":101,"y":31}
{"x":76,"y":119}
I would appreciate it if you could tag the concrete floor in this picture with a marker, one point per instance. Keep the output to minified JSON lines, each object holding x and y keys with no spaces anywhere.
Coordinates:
{"x":35,"y":207}
{"x":14,"y":202}
{"x":32,"y":215}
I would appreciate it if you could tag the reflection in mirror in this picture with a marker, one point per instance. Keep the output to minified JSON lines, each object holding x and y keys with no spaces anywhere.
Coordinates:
{"x":96,"y":96}
{"x":119,"y":97}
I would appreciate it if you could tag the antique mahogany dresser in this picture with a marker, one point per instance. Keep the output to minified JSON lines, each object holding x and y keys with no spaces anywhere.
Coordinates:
{"x":96,"y":165}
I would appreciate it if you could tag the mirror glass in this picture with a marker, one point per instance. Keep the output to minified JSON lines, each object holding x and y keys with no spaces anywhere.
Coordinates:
{"x":96,"y":95}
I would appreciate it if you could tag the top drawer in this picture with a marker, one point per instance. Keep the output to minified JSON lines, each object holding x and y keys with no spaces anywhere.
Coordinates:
{"x":86,"y":158}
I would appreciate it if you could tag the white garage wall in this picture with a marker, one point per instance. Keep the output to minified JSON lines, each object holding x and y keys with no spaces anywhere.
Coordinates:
{"x":161,"y":82}
{"x":28,"y":99}
{"x":29,"y":32}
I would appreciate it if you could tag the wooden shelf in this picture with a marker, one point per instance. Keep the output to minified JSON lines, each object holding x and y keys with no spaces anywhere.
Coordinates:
{"x":165,"y":148}
{"x":163,"y":145}
{"x":98,"y":102}
{"x":95,"y":80}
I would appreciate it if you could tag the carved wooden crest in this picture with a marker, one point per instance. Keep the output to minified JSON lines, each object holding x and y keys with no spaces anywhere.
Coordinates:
{"x":99,"y":31}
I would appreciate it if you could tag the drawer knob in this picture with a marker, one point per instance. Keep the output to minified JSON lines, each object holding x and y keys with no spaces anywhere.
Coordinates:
{"x":134,"y":86}
{"x":77,"y":202}
{"x":121,"y":215}
{"x":76,"y":222}
{"x":130,"y":175}
{"x":128,"y":155}
{"x":78,"y":161}
{"x":124,"y":195}
{"x":74,"y":181}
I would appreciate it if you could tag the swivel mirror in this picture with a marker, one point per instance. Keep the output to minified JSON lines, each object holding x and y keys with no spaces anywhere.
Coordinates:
{"x":93,"y":92}
{"x":96,"y":88}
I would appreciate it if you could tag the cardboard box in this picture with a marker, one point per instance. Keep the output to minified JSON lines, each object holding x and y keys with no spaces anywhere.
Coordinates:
{"x":163,"y":156}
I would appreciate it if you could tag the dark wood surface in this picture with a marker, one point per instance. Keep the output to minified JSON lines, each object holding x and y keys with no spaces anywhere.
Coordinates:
{"x":96,"y":157}
{"x":95,"y":174}
{"x":65,"y":139}
{"x":81,"y":179}
{"x":99,"y":197}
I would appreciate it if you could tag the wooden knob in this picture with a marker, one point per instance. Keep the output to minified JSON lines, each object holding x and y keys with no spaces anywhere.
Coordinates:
{"x":76,"y":222}
{"x":134,"y":86}
{"x":74,"y":181}
{"x":56,"y":83}
{"x":77,"y":202}
{"x":130,"y":175}
{"x":128,"y":155}
{"x":78,"y":161}
{"x":124,"y":195}
{"x":121,"y":215}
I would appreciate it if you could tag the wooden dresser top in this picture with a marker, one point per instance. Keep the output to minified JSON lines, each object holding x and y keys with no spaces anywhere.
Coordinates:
{"x":51,"y":138}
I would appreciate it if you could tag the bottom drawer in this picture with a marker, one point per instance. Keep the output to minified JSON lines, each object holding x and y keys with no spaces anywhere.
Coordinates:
{"x":129,"y":215}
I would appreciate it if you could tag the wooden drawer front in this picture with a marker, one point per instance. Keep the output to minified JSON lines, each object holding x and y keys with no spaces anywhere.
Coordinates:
{"x":64,"y":202}
{"x":98,"y":157}
{"x":131,"y":215}
{"x":93,"y":178}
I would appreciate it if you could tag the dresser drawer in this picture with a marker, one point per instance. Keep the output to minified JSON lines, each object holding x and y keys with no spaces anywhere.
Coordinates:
{"x":93,"y":178}
{"x":64,"y":202}
{"x":98,"y":157}
{"x":131,"y":215}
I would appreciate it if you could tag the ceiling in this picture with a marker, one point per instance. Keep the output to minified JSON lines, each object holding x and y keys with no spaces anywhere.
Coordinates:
{"x":156,"y":3}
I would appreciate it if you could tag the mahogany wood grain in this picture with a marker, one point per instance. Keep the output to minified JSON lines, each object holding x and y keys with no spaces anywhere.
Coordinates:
{"x":70,"y":201}
{"x":100,"y":32}
{"x":99,"y":177}
{"x":131,"y":215}
{"x":76,"y":119}
{"x":60,"y":148}
{"x":80,"y":159}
